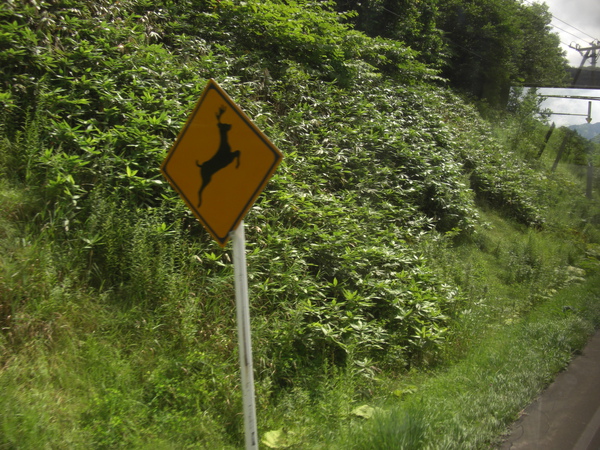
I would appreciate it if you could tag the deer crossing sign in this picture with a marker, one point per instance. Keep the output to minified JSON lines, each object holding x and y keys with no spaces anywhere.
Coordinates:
{"x":220,"y":162}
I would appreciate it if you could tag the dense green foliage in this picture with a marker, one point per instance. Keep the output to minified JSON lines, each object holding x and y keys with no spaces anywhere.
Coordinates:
{"x":415,"y":23}
{"x":114,"y":303}
{"x":519,"y":359}
{"x":498,"y":44}
{"x":483,"y":47}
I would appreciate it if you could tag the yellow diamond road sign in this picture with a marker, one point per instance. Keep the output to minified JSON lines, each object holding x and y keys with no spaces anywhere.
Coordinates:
{"x":220,"y":162}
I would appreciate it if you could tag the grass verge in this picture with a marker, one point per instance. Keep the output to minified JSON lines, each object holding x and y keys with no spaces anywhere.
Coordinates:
{"x":471,"y":404}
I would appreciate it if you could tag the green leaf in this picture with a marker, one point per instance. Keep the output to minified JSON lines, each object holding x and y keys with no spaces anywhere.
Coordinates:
{"x":280,"y":438}
{"x":131,"y":172}
{"x":364,"y":411}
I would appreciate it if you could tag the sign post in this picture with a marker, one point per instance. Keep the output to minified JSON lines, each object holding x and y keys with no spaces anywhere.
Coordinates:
{"x":219,"y":164}
{"x":244,"y":339}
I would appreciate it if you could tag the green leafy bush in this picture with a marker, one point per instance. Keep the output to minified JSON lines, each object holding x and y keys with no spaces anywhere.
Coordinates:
{"x":382,"y":165}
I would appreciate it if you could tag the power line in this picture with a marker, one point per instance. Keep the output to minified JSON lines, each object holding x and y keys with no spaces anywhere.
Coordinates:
{"x":575,"y":28}
{"x":568,"y":32}
{"x":566,"y":23}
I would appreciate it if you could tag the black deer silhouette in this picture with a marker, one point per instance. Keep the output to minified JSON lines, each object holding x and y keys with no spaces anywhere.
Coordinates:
{"x":221,"y":159}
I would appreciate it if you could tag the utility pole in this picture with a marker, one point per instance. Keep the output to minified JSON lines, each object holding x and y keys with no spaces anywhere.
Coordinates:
{"x":590,"y":52}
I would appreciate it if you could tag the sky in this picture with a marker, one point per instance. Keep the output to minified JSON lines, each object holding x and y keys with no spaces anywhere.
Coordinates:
{"x":576,"y":22}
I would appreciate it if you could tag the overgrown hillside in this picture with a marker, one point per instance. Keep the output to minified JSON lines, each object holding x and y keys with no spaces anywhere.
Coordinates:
{"x":401,"y":229}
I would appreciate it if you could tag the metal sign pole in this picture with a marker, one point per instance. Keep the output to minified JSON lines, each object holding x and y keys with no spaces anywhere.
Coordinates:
{"x":243,"y":323}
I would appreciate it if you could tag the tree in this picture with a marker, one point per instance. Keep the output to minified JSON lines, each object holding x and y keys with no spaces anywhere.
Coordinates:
{"x":413,"y":22}
{"x":542,"y":61}
{"x":495,"y":44}
{"x":482,"y":46}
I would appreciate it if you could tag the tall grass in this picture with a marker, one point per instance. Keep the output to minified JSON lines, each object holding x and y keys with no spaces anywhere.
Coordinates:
{"x":117,"y":331}
{"x":471,"y":404}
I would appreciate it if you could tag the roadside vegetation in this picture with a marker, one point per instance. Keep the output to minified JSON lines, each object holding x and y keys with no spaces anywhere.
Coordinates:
{"x":419,"y":269}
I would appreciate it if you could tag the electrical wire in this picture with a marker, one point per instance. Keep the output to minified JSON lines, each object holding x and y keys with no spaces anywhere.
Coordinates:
{"x":575,"y":28}
{"x":568,"y":24}
{"x":568,"y":32}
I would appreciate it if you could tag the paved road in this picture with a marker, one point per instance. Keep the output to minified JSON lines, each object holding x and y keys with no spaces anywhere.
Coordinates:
{"x":567,"y":415}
